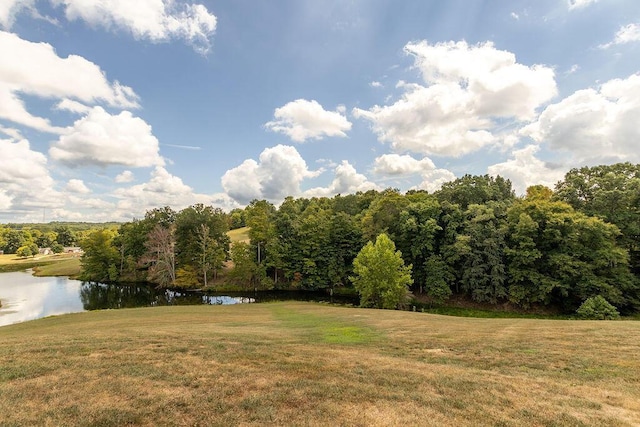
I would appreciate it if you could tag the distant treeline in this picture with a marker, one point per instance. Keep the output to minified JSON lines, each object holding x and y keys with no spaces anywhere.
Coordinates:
{"x":473,"y":237}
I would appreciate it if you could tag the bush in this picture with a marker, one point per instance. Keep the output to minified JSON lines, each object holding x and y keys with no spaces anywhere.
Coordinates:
{"x":597,"y":308}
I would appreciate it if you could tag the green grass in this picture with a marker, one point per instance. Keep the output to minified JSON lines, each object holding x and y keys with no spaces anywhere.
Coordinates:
{"x":69,"y":264}
{"x":65,"y":267}
{"x":316,"y":364}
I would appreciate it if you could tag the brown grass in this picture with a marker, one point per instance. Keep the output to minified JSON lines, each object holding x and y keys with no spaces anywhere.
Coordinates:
{"x":313,"y":364}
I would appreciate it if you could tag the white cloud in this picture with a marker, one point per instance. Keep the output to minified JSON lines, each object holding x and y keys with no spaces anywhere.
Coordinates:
{"x":25,"y":178}
{"x":278,"y":174}
{"x":347,"y":181}
{"x":5,"y":201}
{"x":467,"y":89}
{"x":579,"y":4}
{"x":301,"y":120}
{"x":77,"y":186}
{"x":594,"y":126}
{"x":524,"y":170}
{"x":399,"y":165}
{"x":155,"y":20}
{"x":163,"y":189}
{"x":432,"y":180}
{"x":103,"y":139}
{"x":574,"y":69}
{"x":13,"y":133}
{"x":22,"y":73}
{"x":515,"y":16}
{"x":72,"y":106}
{"x":10,"y":8}
{"x":126,"y":176}
{"x":626,"y":34}
{"x":395,"y":164}
{"x":375,"y":84}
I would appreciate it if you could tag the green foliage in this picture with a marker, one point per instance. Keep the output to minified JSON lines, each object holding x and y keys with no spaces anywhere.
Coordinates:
{"x":611,"y":192}
{"x":99,"y":256}
{"x":437,"y":279}
{"x":478,"y":190}
{"x":483,"y":252}
{"x":244,"y":265}
{"x":65,"y":236}
{"x":597,"y":308}
{"x":380,"y":276}
{"x":26,"y":251}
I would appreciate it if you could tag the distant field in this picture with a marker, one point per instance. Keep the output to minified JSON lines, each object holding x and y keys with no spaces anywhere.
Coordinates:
{"x":64,"y":267}
{"x":239,"y":235}
{"x":314,"y":364}
{"x":61,"y":264}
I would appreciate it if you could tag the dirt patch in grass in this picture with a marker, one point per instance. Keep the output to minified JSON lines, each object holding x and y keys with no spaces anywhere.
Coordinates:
{"x":313,"y":364}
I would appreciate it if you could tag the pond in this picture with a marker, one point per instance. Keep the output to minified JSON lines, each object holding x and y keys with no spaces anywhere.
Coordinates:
{"x":27,"y":297}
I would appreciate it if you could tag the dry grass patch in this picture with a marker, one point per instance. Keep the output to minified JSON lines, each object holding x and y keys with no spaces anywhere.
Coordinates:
{"x":313,"y":364}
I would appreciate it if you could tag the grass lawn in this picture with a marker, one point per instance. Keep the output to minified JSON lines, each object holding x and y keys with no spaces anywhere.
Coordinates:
{"x":44,"y":265}
{"x":314,"y":364}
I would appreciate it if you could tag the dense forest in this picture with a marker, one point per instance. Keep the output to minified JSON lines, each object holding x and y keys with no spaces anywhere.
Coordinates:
{"x":472,"y":238}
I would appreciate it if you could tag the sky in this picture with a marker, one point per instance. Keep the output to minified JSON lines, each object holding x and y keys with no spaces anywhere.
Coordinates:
{"x":110,"y":108}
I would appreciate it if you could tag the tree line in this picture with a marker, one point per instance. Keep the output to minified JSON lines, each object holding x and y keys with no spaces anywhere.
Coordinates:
{"x":27,"y":240}
{"x":473,"y":237}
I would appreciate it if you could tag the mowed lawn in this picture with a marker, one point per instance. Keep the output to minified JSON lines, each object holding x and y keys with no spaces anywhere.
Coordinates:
{"x":315,"y":364}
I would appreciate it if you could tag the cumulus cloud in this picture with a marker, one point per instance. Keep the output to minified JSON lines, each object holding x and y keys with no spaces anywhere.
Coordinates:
{"x":162,"y":189}
{"x":302,"y":119}
{"x":154,"y":20}
{"x":346,"y":181}
{"x":395,"y":164}
{"x":626,"y":34}
{"x":467,"y":89}
{"x":77,"y":186}
{"x":594,"y":126}
{"x":25,"y":178}
{"x":276,"y":175}
{"x":403,"y":165}
{"x":103,"y":139}
{"x":525,"y":169}
{"x":21,"y":73}
{"x":126,"y":176}
{"x":432,"y":180}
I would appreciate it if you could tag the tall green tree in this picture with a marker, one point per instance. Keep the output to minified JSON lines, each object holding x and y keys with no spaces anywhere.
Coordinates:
{"x":610,"y":192}
{"x":557,"y":255}
{"x":380,"y":276}
{"x":484,"y":271}
{"x":100,"y":258}
{"x":475,"y":189}
{"x":188,"y":226}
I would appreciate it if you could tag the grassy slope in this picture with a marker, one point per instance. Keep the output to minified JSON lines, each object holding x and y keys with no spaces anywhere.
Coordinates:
{"x":45,"y":265}
{"x":239,"y":235}
{"x":313,"y":364}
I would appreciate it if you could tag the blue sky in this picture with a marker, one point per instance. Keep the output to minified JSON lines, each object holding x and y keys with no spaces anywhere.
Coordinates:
{"x":110,"y":108}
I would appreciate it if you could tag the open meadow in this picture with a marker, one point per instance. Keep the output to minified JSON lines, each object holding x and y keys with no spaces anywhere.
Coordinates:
{"x":315,"y":364}
{"x":43,"y":265}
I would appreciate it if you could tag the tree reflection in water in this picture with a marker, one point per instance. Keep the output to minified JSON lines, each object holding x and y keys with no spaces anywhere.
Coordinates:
{"x":99,"y":296}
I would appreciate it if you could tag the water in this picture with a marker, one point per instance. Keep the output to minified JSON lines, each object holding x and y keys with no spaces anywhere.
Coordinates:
{"x":26,"y":297}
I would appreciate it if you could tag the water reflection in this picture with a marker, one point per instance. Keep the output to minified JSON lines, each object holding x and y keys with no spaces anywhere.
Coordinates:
{"x":26,"y":297}
{"x":97,"y":296}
